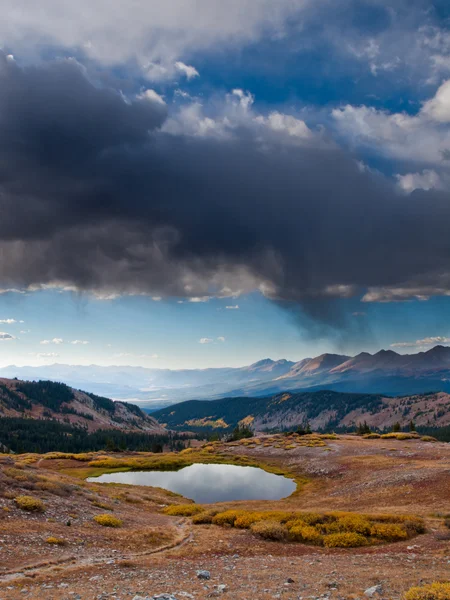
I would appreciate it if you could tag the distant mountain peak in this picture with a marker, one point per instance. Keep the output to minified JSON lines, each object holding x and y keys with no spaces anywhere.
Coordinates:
{"x":438,"y":350}
{"x":386,"y":353}
{"x":262,"y":363}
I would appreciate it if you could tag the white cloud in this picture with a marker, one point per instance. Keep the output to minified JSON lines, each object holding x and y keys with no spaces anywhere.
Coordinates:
{"x":156,"y":298}
{"x":429,"y":341}
{"x":426,"y":180}
{"x":235,"y":307}
{"x":438,"y":108}
{"x":206,"y":340}
{"x":197,"y":299}
{"x":77,"y":342}
{"x":153,"y":35}
{"x":401,"y":294}
{"x":47,"y":355}
{"x":12,"y":291}
{"x":6,"y":336}
{"x":245,"y":99}
{"x":8,"y":321}
{"x":234,"y":111}
{"x":423,"y":137}
{"x":187,"y":70}
{"x":287,"y":124}
{"x":56,"y":341}
{"x":152,"y":96}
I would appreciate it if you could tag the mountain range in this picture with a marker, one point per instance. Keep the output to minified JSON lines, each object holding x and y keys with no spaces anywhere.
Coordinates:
{"x":324,"y":410}
{"x":385,"y":372}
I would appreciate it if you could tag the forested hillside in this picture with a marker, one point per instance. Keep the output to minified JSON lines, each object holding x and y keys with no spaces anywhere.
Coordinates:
{"x":324,"y":410}
{"x":49,"y":400}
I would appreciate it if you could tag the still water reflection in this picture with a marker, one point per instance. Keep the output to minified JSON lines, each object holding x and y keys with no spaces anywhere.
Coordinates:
{"x":210,"y":483}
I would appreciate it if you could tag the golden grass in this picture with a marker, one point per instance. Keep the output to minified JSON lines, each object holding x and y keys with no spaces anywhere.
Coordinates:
{"x":270,"y":530}
{"x":29,"y":503}
{"x":394,"y":435}
{"x":56,"y":541}
{"x":338,"y":529}
{"x":349,"y":539}
{"x":183,"y":510}
{"x":108,"y":520}
{"x":431,"y":591}
{"x":204,"y":518}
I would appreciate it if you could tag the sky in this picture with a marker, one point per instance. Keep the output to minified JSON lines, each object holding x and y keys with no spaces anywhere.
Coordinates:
{"x":200,"y":183}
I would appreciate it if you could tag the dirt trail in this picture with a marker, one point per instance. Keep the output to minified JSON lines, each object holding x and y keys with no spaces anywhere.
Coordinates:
{"x":71,"y":561}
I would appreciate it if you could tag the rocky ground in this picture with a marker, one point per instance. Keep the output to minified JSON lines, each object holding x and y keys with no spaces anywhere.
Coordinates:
{"x":154,"y":554}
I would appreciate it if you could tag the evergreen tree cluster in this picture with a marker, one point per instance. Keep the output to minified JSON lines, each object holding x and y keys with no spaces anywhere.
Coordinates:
{"x":33,"y":435}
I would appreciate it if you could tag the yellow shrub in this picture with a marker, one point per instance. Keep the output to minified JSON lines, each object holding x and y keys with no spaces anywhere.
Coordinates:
{"x":354,"y":523}
{"x":246,"y":519}
{"x":428,"y":438}
{"x":270,"y":530}
{"x":340,"y":529}
{"x":56,"y":541}
{"x":29,"y":503}
{"x":399,"y":436}
{"x":344,"y":540}
{"x":431,"y":591}
{"x":183,"y":510}
{"x":311,"y":518}
{"x":226,"y":518}
{"x":108,"y":520}
{"x":204,"y":517}
{"x":372,"y":436}
{"x":307,"y":534}
{"x":388,"y":532}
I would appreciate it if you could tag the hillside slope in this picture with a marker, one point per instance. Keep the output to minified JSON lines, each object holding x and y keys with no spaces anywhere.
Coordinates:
{"x":51,"y":400}
{"x":323,"y":409}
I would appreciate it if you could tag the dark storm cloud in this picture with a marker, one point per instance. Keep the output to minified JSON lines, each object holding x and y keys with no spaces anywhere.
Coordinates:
{"x":95,"y":196}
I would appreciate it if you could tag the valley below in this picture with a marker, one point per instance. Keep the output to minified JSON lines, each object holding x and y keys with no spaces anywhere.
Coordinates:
{"x":60,"y":548}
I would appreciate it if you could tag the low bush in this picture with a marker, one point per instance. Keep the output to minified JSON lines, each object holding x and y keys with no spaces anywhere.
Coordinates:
{"x":183,"y":510}
{"x":226,"y":518}
{"x":344,"y":540}
{"x":355,"y":524}
{"x":205,"y":517}
{"x":399,"y":435}
{"x":431,"y":591}
{"x":306,"y":534}
{"x":428,"y":438}
{"x":270,"y":530}
{"x":388,"y":532}
{"x":56,"y":541}
{"x":337,"y":529}
{"x":108,"y":520}
{"x":29,"y":503}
